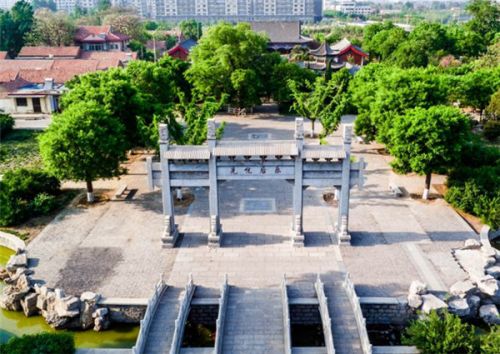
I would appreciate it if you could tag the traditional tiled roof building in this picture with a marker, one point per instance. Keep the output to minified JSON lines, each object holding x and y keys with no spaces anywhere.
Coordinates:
{"x":283,"y":36}
{"x":100,"y":38}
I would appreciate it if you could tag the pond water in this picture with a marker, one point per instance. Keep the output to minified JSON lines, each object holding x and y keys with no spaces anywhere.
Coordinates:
{"x":16,"y":324}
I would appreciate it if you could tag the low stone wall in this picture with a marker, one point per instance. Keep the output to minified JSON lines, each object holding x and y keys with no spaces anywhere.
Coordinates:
{"x":395,"y":350}
{"x":124,"y":310}
{"x":386,"y":310}
{"x":11,"y":241}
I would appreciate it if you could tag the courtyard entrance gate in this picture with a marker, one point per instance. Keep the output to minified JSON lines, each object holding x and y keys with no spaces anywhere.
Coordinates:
{"x":304,"y":165}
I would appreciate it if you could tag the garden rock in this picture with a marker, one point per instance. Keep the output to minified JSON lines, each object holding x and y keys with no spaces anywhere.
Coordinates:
{"x":432,"y":302}
{"x":19,"y":260}
{"x":489,"y":314}
{"x":459,"y":307}
{"x":88,"y":306}
{"x":28,"y":304}
{"x":488,"y":285}
{"x":471,"y":244}
{"x":494,"y":271}
{"x":418,"y":288}
{"x":463,"y":288}
{"x":414,"y":301}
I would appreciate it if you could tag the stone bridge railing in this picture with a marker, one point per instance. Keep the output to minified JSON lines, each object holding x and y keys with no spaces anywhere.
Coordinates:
{"x":219,"y":332}
{"x":325,"y":315}
{"x":182,"y":316}
{"x":148,"y":317}
{"x":286,"y":317}
{"x":358,"y":314}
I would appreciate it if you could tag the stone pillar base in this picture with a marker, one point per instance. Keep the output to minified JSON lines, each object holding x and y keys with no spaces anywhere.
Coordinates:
{"x":344,"y":238}
{"x":169,"y":239}
{"x":297,"y":239}
{"x":214,"y":239}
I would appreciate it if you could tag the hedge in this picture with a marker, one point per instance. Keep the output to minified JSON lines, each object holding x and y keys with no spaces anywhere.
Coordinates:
{"x":25,"y":193}
{"x":43,"y":343}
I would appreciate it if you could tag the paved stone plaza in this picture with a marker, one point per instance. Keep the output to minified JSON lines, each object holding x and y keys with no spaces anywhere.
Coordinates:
{"x":115,"y":248}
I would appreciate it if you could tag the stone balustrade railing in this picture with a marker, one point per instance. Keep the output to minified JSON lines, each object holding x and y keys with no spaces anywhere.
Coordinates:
{"x":219,"y":332}
{"x":286,"y":316}
{"x":325,"y":315}
{"x":358,"y":314}
{"x":182,"y":316}
{"x":148,"y":317}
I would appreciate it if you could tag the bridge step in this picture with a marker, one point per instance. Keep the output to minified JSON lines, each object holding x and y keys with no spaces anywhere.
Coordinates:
{"x":346,"y":337}
{"x":254,"y":322}
{"x":160,"y":334}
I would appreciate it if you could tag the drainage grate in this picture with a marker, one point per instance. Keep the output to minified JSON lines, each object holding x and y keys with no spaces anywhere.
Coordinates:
{"x":259,"y":136}
{"x":258,"y":205}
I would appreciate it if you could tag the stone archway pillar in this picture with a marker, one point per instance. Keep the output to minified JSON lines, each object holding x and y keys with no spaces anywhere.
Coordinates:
{"x":215,"y":232}
{"x":298,"y":188}
{"x":170,"y":229}
{"x":343,"y":217}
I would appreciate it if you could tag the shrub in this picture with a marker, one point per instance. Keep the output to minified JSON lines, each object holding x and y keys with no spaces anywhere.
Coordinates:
{"x":6,"y":123}
{"x":490,"y":343}
{"x":43,"y":343}
{"x":25,"y":193}
{"x":442,"y":333}
{"x":492,"y":130}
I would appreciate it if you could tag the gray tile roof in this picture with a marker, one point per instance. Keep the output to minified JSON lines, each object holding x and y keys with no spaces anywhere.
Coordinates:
{"x":179,"y":152}
{"x":281,"y":32}
{"x":246,"y":148}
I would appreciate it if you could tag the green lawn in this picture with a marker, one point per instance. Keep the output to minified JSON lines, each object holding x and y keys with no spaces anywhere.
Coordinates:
{"x":20,"y":149}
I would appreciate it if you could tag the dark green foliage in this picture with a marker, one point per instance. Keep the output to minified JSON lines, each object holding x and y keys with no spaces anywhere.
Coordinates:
{"x":43,"y":343}
{"x":6,"y":123}
{"x":282,"y":74}
{"x":485,"y":20}
{"x":14,"y":25}
{"x":191,"y":29}
{"x":442,"y":333}
{"x":492,"y":130}
{"x":474,"y":186}
{"x":26,"y":193}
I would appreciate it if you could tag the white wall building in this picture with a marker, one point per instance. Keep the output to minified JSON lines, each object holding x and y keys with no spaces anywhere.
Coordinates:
{"x":354,"y":8}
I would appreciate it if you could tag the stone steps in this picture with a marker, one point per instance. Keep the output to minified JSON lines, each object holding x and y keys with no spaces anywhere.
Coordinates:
{"x":254,"y":322}
{"x":345,"y":331}
{"x":162,"y":326}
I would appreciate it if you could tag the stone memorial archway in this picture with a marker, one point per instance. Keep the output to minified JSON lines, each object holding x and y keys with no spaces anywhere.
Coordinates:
{"x":304,"y":165}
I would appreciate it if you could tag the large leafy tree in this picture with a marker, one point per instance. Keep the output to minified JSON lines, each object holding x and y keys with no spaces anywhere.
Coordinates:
{"x":324,"y":100}
{"x":191,"y":29}
{"x":477,"y":87}
{"x":428,"y":140}
{"x":485,"y":18}
{"x":14,"y":25}
{"x":223,"y":51}
{"x":114,"y":91}
{"x":84,"y":143}
{"x":51,"y":29}
{"x":382,"y":39}
{"x":380,"y":93}
{"x":281,"y":75}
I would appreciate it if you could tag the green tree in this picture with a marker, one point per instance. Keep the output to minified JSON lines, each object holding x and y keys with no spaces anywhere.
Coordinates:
{"x":444,"y":334}
{"x":191,"y":29}
{"x":493,"y":109}
{"x":14,"y":25}
{"x":381,"y":92}
{"x":485,"y":18}
{"x":222,"y":51}
{"x":381,"y":40}
{"x":477,"y":87}
{"x":491,"y":58}
{"x":51,"y":29}
{"x":428,"y":140}
{"x":490,"y":343}
{"x":128,"y":24}
{"x":281,"y":75}
{"x":325,"y":100}
{"x":114,"y":91}
{"x":103,"y":5}
{"x":84,"y":143}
